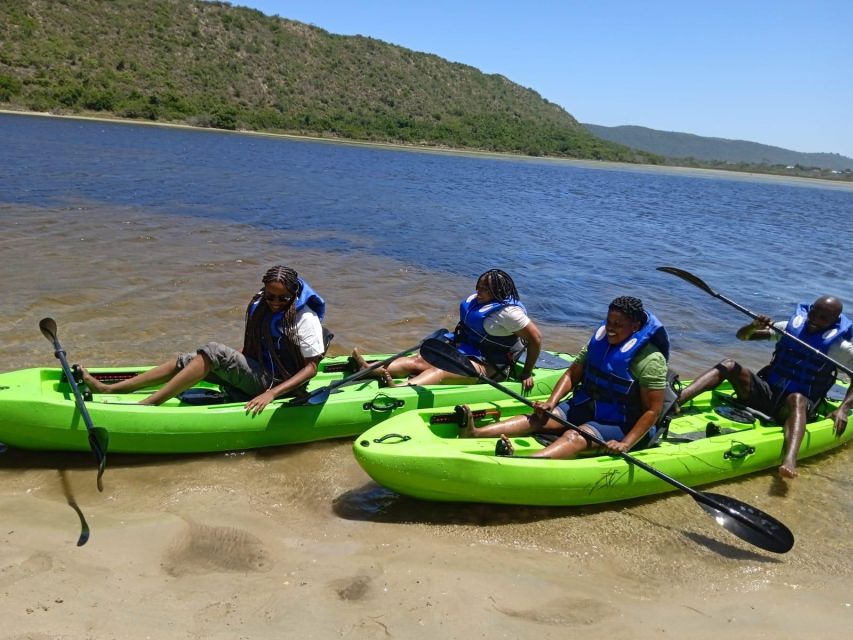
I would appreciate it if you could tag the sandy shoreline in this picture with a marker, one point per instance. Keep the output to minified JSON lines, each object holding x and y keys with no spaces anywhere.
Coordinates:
{"x":183,"y":550}
{"x":592,"y":164}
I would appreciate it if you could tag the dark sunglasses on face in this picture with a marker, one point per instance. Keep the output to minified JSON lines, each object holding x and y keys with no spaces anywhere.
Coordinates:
{"x":269,"y":297}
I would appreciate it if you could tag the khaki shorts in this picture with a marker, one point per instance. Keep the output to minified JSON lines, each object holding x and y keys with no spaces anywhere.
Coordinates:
{"x":241,"y":378}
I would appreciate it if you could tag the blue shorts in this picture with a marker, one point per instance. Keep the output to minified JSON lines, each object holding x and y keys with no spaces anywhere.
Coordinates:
{"x":582,"y":414}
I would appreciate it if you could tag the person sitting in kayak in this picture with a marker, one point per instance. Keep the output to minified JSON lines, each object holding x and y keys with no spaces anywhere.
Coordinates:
{"x":282,"y":347}
{"x":618,"y":381}
{"x":792,"y":386}
{"x":493,"y":331}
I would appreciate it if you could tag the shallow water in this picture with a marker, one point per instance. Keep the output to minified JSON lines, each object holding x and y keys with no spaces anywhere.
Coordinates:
{"x":140,"y":262}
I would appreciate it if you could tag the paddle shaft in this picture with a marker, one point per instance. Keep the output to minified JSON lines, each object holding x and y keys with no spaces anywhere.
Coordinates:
{"x":78,"y":397}
{"x":358,"y":375}
{"x":701,"y":284}
{"x":98,"y":445}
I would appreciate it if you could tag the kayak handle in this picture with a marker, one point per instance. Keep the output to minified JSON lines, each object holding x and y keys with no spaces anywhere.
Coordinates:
{"x":738,"y":451}
{"x":383,"y":403}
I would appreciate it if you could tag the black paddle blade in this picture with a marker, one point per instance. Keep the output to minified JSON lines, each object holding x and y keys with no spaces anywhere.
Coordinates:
{"x":84,"y":526}
{"x":445,"y":356}
{"x":689,"y":277}
{"x":747,"y":522}
{"x":69,"y":498}
{"x":99,"y":440}
{"x":48,"y":328}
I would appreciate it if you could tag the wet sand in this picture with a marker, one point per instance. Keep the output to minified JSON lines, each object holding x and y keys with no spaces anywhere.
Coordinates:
{"x":297,"y":541}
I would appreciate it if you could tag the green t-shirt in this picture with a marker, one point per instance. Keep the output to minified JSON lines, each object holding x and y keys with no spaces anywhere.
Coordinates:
{"x":648,"y":367}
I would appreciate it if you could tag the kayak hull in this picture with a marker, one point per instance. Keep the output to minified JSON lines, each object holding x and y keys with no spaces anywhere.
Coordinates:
{"x":413,"y":457}
{"x":38,"y":411}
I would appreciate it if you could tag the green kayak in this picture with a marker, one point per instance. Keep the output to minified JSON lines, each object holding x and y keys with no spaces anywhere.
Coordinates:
{"x":419,"y":454}
{"x":37,"y":411}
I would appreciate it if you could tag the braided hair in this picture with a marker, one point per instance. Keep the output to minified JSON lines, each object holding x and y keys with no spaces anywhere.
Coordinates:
{"x":258,"y":318}
{"x":631,"y":307}
{"x":499,"y":285}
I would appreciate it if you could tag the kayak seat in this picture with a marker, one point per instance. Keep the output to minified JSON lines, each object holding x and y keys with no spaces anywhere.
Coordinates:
{"x":200,"y":397}
{"x":671,"y":393}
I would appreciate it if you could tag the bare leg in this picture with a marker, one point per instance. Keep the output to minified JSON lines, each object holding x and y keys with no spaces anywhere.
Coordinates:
{"x":515,"y":426}
{"x":568,"y":445}
{"x":439,"y":376}
{"x":158,"y":375}
{"x":411,"y":365}
{"x":795,"y":428}
{"x":739,"y":377}
{"x":195,"y":371}
{"x":381,"y":373}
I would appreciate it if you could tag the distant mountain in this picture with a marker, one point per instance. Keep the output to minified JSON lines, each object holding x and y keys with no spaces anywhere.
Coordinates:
{"x":672,"y":144}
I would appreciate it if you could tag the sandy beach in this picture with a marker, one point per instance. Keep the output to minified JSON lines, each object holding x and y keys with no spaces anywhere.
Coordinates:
{"x":297,"y":541}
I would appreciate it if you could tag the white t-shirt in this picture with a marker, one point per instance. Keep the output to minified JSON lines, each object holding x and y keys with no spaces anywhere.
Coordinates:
{"x":310,"y":333}
{"x":506,"y":322}
{"x":840,"y":350}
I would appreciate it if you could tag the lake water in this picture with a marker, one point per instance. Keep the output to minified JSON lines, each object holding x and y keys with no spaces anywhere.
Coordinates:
{"x":144,"y":241}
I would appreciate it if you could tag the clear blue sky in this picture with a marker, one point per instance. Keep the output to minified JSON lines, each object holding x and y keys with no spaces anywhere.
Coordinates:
{"x":778,"y":72}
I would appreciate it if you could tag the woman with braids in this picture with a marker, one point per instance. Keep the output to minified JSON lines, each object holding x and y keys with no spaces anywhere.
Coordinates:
{"x":282,"y":345}
{"x":493,"y":330}
{"x":618,"y":380}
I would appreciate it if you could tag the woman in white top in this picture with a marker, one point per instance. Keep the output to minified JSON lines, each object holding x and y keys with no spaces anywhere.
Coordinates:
{"x":493,"y":330}
{"x":282,"y":346}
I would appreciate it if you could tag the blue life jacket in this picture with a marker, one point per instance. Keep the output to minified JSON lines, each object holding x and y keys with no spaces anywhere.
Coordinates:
{"x":607,"y":381}
{"x":472,"y":339}
{"x":306,"y":297}
{"x":795,"y":369}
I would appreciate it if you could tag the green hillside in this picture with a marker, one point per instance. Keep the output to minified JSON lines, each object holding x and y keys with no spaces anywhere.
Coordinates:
{"x":211,"y":64}
{"x":673,"y":144}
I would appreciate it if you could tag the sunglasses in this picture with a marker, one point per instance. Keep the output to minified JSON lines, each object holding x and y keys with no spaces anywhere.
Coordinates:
{"x":273,"y":298}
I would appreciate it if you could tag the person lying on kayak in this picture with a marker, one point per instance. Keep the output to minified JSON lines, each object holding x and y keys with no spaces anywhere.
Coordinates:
{"x":618,"y":381}
{"x":792,"y":386}
{"x":282,"y":346}
{"x":493,"y":330}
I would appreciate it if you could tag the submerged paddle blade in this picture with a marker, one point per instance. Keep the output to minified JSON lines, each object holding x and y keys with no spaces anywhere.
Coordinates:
{"x":48,"y":328}
{"x":99,"y":440}
{"x":69,"y":498}
{"x":747,"y":522}
{"x":445,"y":356}
{"x":689,"y":277}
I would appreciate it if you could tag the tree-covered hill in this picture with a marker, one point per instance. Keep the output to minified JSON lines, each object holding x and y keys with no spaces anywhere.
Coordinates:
{"x":213,"y":64}
{"x":686,"y":145}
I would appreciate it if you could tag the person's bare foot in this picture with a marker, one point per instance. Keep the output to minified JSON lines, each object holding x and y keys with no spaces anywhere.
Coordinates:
{"x":381,"y":372}
{"x":788,"y":471}
{"x":504,"y":447}
{"x":466,"y":421}
{"x":95,"y":385}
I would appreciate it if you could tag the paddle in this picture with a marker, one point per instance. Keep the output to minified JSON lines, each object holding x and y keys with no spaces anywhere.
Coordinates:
{"x":698,"y":282}
{"x":319,"y":396}
{"x":69,"y":497}
{"x":743,"y":520}
{"x":98,"y":436}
